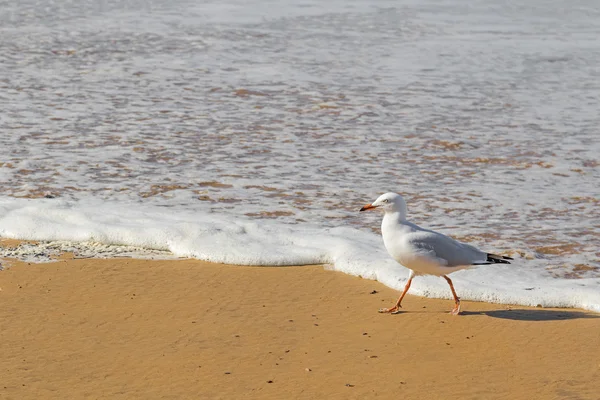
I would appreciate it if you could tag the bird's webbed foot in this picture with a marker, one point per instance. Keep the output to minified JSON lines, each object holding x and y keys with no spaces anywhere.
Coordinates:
{"x":456,"y":309}
{"x":393,"y":310}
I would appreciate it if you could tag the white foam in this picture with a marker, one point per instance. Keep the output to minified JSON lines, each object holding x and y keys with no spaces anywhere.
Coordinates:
{"x":219,"y":238}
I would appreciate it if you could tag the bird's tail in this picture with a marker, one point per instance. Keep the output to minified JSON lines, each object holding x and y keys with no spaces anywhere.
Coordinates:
{"x":494,"y":258}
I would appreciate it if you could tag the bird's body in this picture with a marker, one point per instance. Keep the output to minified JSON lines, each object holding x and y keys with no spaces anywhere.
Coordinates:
{"x":423,"y":251}
{"x":426,"y":252}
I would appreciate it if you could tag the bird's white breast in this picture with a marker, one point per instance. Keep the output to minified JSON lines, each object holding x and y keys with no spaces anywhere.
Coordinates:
{"x":395,"y":239}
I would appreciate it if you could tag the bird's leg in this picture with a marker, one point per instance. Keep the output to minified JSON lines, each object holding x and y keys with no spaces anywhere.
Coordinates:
{"x":456,"y":308}
{"x":397,"y":307}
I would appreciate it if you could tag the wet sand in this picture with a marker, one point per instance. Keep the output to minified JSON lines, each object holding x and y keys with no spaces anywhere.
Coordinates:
{"x":139,"y":329}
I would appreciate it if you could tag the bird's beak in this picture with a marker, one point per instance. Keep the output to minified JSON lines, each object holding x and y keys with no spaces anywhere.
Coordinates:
{"x":368,"y":207}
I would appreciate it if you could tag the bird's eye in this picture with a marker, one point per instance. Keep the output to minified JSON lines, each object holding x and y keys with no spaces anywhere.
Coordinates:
{"x":386,"y":201}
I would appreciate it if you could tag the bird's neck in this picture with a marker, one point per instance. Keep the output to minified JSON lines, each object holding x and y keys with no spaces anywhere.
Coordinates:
{"x":393,"y":220}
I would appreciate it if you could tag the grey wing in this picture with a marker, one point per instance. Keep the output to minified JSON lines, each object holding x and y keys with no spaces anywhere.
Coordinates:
{"x":450,"y":252}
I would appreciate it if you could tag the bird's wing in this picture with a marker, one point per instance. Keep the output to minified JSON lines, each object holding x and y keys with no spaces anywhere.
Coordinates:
{"x":453,"y":253}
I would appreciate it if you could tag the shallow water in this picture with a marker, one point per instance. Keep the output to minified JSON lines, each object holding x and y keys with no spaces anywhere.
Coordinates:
{"x":484,"y":115}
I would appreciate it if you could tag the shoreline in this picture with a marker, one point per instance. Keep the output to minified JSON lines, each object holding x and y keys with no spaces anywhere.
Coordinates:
{"x":128,"y":328}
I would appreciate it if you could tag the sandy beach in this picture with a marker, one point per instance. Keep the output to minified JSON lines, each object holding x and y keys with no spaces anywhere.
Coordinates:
{"x":139,"y":136}
{"x":140,"y":329}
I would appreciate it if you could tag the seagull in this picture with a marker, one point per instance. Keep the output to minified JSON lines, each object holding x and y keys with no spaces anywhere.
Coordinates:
{"x":423,"y":251}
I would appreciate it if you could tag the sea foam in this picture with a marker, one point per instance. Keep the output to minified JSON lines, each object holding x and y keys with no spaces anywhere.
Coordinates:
{"x":224,"y":239}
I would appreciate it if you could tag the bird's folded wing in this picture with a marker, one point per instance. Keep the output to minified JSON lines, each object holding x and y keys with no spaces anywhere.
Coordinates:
{"x":441,"y":247}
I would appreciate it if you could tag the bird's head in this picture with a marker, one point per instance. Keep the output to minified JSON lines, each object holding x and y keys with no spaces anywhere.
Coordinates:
{"x":389,"y":202}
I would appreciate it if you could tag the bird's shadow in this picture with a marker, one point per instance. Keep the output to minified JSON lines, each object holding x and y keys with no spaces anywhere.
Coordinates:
{"x":533,"y":314}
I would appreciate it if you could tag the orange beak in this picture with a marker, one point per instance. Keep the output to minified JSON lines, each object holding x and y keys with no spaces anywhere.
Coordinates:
{"x":367,"y":207}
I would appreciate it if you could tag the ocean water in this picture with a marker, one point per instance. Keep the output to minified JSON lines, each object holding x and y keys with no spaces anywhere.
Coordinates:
{"x":252,"y":132}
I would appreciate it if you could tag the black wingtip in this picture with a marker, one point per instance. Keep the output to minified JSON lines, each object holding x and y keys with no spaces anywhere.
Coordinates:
{"x":494,"y":258}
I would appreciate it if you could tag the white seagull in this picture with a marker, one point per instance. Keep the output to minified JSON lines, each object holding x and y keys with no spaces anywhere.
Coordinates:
{"x":423,"y":251}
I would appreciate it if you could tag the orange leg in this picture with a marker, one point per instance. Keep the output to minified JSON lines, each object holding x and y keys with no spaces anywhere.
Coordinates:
{"x":397,"y":307}
{"x":456,"y":308}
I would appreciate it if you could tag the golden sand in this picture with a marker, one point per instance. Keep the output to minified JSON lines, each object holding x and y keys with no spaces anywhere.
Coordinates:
{"x":139,"y":329}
